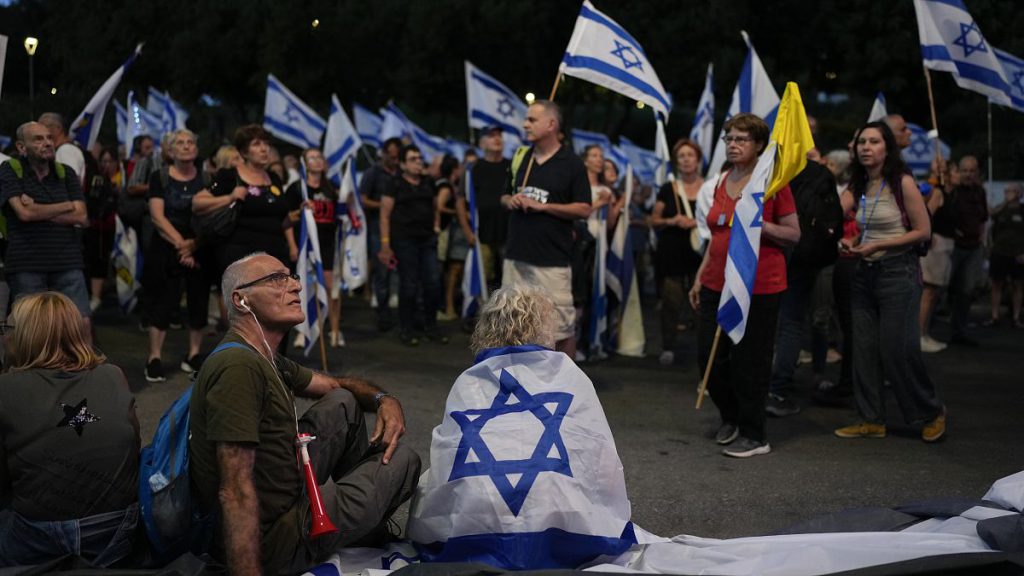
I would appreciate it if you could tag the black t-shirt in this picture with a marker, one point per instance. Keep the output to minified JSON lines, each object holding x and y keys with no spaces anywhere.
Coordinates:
{"x":413,"y":215}
{"x":674,"y":256}
{"x":542,"y":239}
{"x":439,"y":184}
{"x":262,"y":214}
{"x":490,"y":182}
{"x":177,"y":198}
{"x":374,"y":183}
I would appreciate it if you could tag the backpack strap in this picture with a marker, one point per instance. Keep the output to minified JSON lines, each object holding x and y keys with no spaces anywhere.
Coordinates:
{"x":517,"y":162}
{"x":19,"y":169}
{"x":225,"y":345}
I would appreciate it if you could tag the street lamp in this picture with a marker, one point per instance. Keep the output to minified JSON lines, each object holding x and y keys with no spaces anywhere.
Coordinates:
{"x":31,"y":44}
{"x":530,"y":97}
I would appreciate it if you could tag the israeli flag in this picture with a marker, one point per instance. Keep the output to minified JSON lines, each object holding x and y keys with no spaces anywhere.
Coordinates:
{"x":86,"y":128}
{"x":341,"y":142}
{"x":351,"y":250}
{"x":491,"y":103}
{"x":121,"y":116}
{"x":172,"y":114}
{"x":602,"y":52}
{"x":474,"y":279}
{"x":582,"y":138}
{"x":289,"y":118}
{"x":368,"y":124}
{"x":458,"y":149}
{"x":753,"y":94}
{"x":645,"y":163}
{"x":628,"y":336}
{"x":141,"y":122}
{"x":1014,"y":69}
{"x":310,"y":269}
{"x":879,"y":110}
{"x":921,"y":152}
{"x":396,"y":123}
{"x":524,"y":471}
{"x":127,"y":260}
{"x":951,"y":41}
{"x":598,"y":321}
{"x":393,"y":123}
{"x":703,"y":130}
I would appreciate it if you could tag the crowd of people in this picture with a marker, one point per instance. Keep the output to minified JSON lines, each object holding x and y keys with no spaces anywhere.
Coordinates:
{"x":854,"y":237}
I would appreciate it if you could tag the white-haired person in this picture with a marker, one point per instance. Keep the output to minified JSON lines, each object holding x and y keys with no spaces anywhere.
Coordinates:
{"x":524,"y":471}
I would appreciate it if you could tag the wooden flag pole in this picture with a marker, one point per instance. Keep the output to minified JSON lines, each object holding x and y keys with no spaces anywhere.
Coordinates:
{"x":707,"y":371}
{"x":935,"y":125}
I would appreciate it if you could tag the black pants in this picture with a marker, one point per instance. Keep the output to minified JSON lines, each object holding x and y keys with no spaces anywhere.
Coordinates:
{"x":164,"y":277}
{"x":739,"y":378}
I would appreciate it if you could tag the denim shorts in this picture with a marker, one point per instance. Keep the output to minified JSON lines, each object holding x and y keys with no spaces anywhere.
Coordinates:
{"x":70,"y":283}
{"x":101,"y":539}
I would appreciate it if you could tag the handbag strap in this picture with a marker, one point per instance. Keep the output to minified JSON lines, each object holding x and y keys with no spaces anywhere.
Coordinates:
{"x":677,"y":187}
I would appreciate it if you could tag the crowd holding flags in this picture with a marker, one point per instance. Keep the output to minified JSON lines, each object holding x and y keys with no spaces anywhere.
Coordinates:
{"x":350,"y":255}
{"x":310,"y":268}
{"x":86,"y":127}
{"x":703,"y":131}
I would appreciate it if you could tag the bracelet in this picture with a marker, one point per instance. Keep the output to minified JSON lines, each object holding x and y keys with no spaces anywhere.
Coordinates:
{"x":379,"y":397}
{"x":385,"y":239}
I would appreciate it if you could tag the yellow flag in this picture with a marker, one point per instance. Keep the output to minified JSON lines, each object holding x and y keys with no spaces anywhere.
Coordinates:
{"x":792,"y":135}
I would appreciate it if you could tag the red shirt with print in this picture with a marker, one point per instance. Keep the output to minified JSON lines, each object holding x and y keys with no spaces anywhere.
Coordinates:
{"x":771,"y":262}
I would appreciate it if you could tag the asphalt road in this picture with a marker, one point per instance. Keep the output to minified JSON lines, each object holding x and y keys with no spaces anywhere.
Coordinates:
{"x":677,"y":480}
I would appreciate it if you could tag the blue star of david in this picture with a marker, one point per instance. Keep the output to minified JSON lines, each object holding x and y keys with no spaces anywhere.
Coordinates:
{"x":291,"y":113}
{"x":1018,"y":82}
{"x":759,"y":198}
{"x":962,"y":41}
{"x":919,"y":146}
{"x":621,"y":51}
{"x":505,"y":107}
{"x":473,"y":421}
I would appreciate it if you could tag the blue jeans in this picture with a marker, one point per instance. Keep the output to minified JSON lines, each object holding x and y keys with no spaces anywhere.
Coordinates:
{"x":885,"y":302}
{"x":963,"y":278}
{"x":101,"y":539}
{"x":418,"y":272}
{"x":380,"y":279}
{"x":70,"y":283}
{"x":792,"y":317}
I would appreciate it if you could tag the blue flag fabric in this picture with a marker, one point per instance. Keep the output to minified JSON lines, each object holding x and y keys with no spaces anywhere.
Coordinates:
{"x":602,"y":52}
{"x":341,"y":141}
{"x":1014,"y":69}
{"x":524,"y":473}
{"x":645,"y":163}
{"x":310,"y":269}
{"x":289,"y":118}
{"x":86,"y":128}
{"x":172,"y":114}
{"x":141,"y":122}
{"x":474,"y":279}
{"x":921,"y":152}
{"x":368,"y":124}
{"x":598,"y":321}
{"x":703,"y":130}
{"x":879,"y":110}
{"x":396,"y":123}
{"x":491,"y":103}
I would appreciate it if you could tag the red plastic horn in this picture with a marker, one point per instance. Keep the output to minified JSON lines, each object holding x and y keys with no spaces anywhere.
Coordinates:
{"x":321,"y":522}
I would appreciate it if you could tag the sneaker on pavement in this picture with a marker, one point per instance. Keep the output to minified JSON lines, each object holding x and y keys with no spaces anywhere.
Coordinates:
{"x":726,"y":433}
{"x":393,"y":301}
{"x":804,"y":358}
{"x":935,"y":429}
{"x":930,"y":345}
{"x":862,"y":430}
{"x":447,"y":316}
{"x":780,"y":406}
{"x":436,"y":336}
{"x":155,"y":371}
{"x":667,"y":358}
{"x":94,"y":304}
{"x":337,"y":339}
{"x":745,"y":448}
{"x":191,"y":364}
{"x":580,"y":356}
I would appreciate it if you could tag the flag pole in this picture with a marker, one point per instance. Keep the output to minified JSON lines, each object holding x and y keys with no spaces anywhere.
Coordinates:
{"x":935,"y":124}
{"x":990,"y":144}
{"x":554,"y":88}
{"x":707,"y":371}
{"x":320,"y":318}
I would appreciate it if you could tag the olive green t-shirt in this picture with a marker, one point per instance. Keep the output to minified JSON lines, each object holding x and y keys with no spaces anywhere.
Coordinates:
{"x":239,"y":397}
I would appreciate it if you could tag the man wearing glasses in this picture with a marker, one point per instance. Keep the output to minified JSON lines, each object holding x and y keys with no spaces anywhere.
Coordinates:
{"x":409,"y":241}
{"x":244,"y":426}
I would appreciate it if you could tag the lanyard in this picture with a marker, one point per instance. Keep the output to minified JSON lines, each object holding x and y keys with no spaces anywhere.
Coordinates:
{"x":865,"y":216}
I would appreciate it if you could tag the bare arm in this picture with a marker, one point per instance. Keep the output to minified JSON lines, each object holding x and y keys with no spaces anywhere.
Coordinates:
{"x":462,"y":213}
{"x":615,"y":211}
{"x":786,"y":232}
{"x":386,"y":255}
{"x":695,"y":289}
{"x":27,"y":210}
{"x":390,"y":424}
{"x":77,"y":217}
{"x":240,"y":506}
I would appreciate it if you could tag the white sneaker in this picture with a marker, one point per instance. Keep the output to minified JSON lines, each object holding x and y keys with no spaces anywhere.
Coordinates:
{"x":337,"y":339}
{"x":373,"y":301}
{"x":667,"y":358}
{"x":929,"y":345}
{"x":580,"y":356}
{"x":393,"y":301}
{"x":805,"y":357}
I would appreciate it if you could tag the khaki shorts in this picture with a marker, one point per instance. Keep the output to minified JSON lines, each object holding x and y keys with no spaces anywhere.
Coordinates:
{"x":937,"y":264}
{"x":556,"y":282}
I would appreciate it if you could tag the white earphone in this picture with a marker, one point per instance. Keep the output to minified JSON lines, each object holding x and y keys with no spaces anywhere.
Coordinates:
{"x":242,"y":304}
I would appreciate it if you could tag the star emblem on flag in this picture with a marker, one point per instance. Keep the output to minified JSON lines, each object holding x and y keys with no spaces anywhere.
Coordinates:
{"x":505,"y":107}
{"x":474,"y":458}
{"x":625,"y":53}
{"x":964,"y":42}
{"x":919,"y":146}
{"x":1018,"y":82}
{"x":77,"y":416}
{"x":291,"y":113}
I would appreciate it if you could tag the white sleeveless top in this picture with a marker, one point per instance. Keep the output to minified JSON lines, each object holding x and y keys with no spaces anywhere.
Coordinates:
{"x":879,"y":219}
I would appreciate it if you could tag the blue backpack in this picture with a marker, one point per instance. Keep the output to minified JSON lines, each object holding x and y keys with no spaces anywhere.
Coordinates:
{"x":174,"y":524}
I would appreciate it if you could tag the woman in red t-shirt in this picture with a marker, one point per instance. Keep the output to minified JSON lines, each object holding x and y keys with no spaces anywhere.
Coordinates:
{"x":740,"y":393}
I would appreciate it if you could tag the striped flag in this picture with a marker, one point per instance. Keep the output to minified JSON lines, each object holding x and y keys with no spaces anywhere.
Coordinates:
{"x":310,"y":269}
{"x":602,"y":52}
{"x":784,"y":158}
{"x":289,"y":118}
{"x":703,"y":131}
{"x":879,"y":110}
{"x":491,"y":103}
{"x":368,"y":124}
{"x":621,"y":280}
{"x":127,"y":259}
{"x":86,"y":128}
{"x":351,"y":251}
{"x":474,"y":281}
{"x":598,"y":325}
{"x":341,"y":142}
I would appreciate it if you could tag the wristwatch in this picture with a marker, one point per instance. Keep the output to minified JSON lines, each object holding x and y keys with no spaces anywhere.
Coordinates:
{"x":379,"y":396}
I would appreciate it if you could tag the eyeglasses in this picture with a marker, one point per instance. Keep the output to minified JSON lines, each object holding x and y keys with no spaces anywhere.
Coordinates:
{"x":737,"y":139}
{"x":275,"y":279}
{"x":5,"y":328}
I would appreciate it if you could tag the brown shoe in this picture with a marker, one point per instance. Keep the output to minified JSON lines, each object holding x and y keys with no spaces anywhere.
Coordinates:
{"x":935,"y":429}
{"x":862,"y":430}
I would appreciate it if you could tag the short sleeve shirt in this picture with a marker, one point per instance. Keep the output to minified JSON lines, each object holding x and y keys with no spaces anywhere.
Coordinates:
{"x":490,"y":181}
{"x":538,"y":238}
{"x":177,"y":197}
{"x":771,"y":261}
{"x":413,"y":215}
{"x":262,"y":213}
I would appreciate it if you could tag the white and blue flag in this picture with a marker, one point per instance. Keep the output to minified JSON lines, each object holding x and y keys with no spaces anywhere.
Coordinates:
{"x":289,"y":118}
{"x":393,"y":123}
{"x":754,"y":94}
{"x":141,"y":122}
{"x":474,"y":279}
{"x":703,"y":130}
{"x":951,"y":41}
{"x":341,"y":141}
{"x":457,"y":148}
{"x":350,"y":254}
{"x":86,"y":128}
{"x":628,"y":330}
{"x":172,"y":114}
{"x":598,"y":321}
{"x":602,"y":52}
{"x":127,"y":260}
{"x":121,"y":117}
{"x":921,"y":152}
{"x":1014,"y":69}
{"x":524,"y":473}
{"x":368,"y":124}
{"x":879,"y":110}
{"x":491,"y":103}
{"x":583,"y":138}
{"x":397,"y":124}
{"x":645,"y":163}
{"x":310,"y":269}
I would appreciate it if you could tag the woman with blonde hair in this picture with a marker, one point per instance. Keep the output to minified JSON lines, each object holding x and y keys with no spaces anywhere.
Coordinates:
{"x":69,"y":442}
